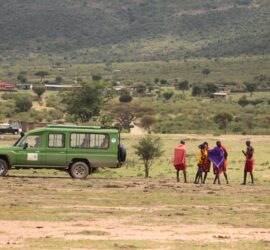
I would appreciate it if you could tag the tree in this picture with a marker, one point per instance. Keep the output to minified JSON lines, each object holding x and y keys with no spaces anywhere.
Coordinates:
{"x":23,"y":103}
{"x":126,"y":113}
{"x":85,"y":102}
{"x":251,"y":87}
{"x":96,"y":77}
{"x":125,"y":95}
{"x":22,"y":78}
{"x":147,"y":122}
{"x":106,"y":120}
{"x":41,"y":74}
{"x":39,"y":90}
{"x":125,"y":98}
{"x":223,"y":119}
{"x":196,"y":90}
{"x":148,"y":149}
{"x":168,"y":95}
{"x":163,"y":82}
{"x":243,"y":101}
{"x":206,"y":72}
{"x":211,"y":88}
{"x":140,"y":88}
{"x":184,"y":85}
{"x":58,"y":79}
{"x":156,"y":81}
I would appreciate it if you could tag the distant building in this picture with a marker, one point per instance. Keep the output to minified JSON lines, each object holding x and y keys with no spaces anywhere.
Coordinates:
{"x":7,"y":86}
{"x":221,"y":95}
{"x":119,"y":87}
{"x":57,"y":87}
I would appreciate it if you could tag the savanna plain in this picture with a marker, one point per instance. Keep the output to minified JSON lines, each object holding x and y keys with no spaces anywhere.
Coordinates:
{"x":119,"y":209}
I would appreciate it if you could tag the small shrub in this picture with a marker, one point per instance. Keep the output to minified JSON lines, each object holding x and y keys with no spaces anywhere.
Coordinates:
{"x":168,"y":95}
{"x":23,"y":103}
{"x":125,"y":98}
{"x":148,"y":149}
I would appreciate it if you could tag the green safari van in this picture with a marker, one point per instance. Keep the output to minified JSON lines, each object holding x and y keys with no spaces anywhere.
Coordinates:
{"x":75,"y":149}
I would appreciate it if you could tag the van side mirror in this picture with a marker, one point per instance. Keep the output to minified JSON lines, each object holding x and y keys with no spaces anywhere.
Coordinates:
{"x":25,"y":146}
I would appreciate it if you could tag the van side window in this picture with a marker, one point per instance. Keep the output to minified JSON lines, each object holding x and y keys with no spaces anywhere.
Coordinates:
{"x":56,"y":141}
{"x":85,"y":140}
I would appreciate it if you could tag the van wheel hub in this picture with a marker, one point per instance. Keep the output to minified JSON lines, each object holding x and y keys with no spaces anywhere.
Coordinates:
{"x":79,"y":170}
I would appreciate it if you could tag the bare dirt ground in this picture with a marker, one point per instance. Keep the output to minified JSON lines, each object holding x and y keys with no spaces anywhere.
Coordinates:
{"x":120,"y":229}
{"x":124,"y":221}
{"x":40,"y":107}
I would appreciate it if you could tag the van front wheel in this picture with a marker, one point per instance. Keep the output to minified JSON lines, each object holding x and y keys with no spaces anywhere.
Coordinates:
{"x":3,"y":168}
{"x":79,"y":170}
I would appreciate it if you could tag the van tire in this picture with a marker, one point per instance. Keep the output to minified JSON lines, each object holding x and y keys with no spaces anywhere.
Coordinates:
{"x":79,"y":170}
{"x":122,"y":153}
{"x":3,"y":167}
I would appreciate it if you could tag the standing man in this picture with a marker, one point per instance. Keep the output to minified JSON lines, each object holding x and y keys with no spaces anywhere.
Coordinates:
{"x":225,"y":160}
{"x":207,"y":162}
{"x":216,"y":155}
{"x":249,"y":162}
{"x":200,"y":164}
{"x":179,"y":161}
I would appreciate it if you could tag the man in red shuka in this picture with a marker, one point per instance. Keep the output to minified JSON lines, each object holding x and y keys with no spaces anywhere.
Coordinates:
{"x":249,"y":162}
{"x":179,"y":161}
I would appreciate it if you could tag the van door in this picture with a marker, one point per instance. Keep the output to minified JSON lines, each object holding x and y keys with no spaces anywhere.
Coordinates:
{"x":56,"y":154}
{"x":31,"y":151}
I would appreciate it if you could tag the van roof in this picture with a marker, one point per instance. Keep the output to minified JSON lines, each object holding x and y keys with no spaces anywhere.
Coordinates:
{"x":73,"y":128}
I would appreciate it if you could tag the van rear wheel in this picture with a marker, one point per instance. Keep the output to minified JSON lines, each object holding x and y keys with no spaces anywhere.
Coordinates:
{"x":3,"y":168}
{"x":79,"y":170}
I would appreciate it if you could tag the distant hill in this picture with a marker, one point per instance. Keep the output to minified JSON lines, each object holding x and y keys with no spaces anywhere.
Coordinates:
{"x":132,"y":30}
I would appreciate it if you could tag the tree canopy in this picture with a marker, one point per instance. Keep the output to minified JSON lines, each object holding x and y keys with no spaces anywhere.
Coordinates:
{"x":39,"y":90}
{"x":251,"y":87}
{"x":223,"y":119}
{"x":85,"y":102}
{"x":125,"y":113}
{"x":183,"y":85}
{"x":41,"y":74}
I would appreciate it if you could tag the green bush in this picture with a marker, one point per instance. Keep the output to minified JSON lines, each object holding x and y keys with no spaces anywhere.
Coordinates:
{"x":196,"y":90}
{"x":168,"y":95}
{"x":23,"y":103}
{"x":125,"y":98}
{"x":53,"y":101}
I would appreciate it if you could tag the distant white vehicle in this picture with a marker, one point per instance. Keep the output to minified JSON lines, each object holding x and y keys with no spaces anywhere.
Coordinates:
{"x":14,"y":128}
